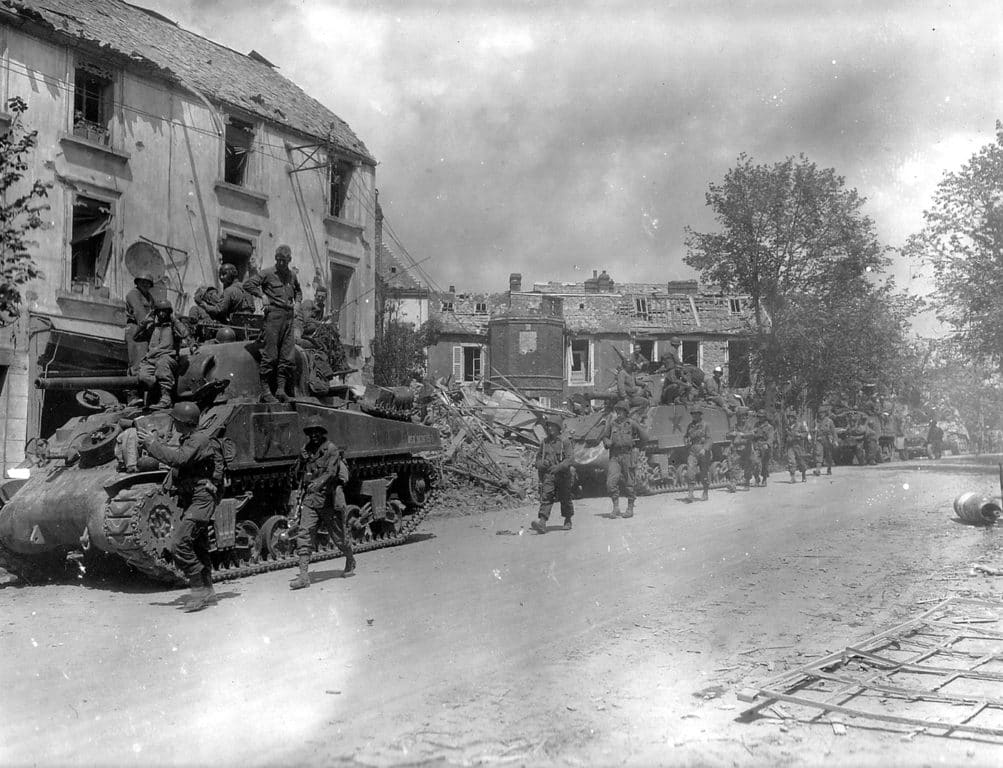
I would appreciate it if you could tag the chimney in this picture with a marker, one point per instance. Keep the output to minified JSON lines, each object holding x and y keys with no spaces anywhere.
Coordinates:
{"x":452,"y":289}
{"x":515,"y":282}
{"x":595,"y":273}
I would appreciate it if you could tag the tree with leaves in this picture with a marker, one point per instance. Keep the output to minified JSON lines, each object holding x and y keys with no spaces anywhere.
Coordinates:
{"x":963,"y":239}
{"x":795,"y":239}
{"x":21,"y":208}
{"x":398,"y":348}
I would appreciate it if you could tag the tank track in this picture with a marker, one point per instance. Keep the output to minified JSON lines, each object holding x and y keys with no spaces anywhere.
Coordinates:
{"x":135,"y":542}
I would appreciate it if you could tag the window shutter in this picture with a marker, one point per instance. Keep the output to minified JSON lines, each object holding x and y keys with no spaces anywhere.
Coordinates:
{"x":457,"y":362}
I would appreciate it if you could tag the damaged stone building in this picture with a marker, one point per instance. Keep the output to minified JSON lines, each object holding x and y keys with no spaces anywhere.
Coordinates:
{"x":166,"y":153}
{"x":558,"y":339}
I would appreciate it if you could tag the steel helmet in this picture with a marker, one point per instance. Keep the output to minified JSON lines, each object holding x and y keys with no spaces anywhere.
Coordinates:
{"x":225,"y":334}
{"x":718,"y":369}
{"x":147,"y":276}
{"x":186,"y":413}
{"x":228,"y":269}
{"x":622,"y":405}
{"x":314,"y":423}
{"x":162,"y":305}
{"x":554,"y":420}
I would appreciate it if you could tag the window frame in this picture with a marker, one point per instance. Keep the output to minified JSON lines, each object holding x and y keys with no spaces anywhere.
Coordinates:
{"x":460,"y":361}
{"x":589,"y":379}
{"x":82,"y":126}
{"x":734,"y":306}
{"x":339,"y":196}
{"x":699,"y":352}
{"x":98,"y":278}
{"x":238,"y":123}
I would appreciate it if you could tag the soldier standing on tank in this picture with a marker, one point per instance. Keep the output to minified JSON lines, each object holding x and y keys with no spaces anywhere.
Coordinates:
{"x":698,"y":461}
{"x":197,"y":479}
{"x":553,"y":463}
{"x":138,"y":306}
{"x":322,"y":475}
{"x":622,"y":434}
{"x":280,"y":289}
{"x":164,"y":335}
{"x":764,"y":434}
{"x":825,"y":440}
{"x":797,"y":446}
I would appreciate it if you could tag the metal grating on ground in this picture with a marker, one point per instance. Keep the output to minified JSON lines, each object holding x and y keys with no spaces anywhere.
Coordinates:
{"x":940,"y":672}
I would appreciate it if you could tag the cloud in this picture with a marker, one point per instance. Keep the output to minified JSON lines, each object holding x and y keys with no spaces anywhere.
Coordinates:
{"x":543,"y":138}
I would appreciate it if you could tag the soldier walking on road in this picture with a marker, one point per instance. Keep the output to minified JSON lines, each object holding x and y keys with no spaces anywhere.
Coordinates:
{"x":935,"y":440}
{"x":764,"y":433}
{"x":280,"y":289}
{"x":553,"y":462}
{"x":698,"y":461}
{"x":742,"y":458}
{"x":825,"y":440}
{"x":797,"y":446}
{"x":869,"y":441}
{"x":197,"y":479}
{"x":622,"y":433}
{"x":322,"y":476}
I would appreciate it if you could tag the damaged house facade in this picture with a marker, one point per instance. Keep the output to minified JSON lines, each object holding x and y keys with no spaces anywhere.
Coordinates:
{"x":561,"y":339}
{"x":166,"y":153}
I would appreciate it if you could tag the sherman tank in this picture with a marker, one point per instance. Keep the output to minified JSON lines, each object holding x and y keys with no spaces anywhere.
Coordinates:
{"x":662,"y":464}
{"x":81,"y":500}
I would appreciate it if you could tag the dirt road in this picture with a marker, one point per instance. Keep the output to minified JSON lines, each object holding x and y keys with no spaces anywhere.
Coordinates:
{"x":620,"y":642}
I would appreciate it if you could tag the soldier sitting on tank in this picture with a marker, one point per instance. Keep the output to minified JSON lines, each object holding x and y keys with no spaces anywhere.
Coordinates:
{"x":197,"y":480}
{"x":715,"y":389}
{"x":322,"y":475}
{"x":164,"y":335}
{"x":206,"y":296}
{"x":553,"y":463}
{"x":628,"y":388}
{"x":676,"y":387}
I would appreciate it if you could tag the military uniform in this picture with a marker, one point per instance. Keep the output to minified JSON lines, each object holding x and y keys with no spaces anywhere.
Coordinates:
{"x":138,"y":306}
{"x":197,"y":478}
{"x":324,"y":476}
{"x":797,"y":446}
{"x":764,"y":434}
{"x":628,"y":389}
{"x":825,"y":442}
{"x":743,"y":460}
{"x":698,"y":461}
{"x":233,"y":298}
{"x":553,"y":463}
{"x":278,"y":344}
{"x":620,"y":438}
{"x":159,"y":365}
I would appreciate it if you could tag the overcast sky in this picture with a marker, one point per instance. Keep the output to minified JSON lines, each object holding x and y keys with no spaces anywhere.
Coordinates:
{"x":553,"y":138}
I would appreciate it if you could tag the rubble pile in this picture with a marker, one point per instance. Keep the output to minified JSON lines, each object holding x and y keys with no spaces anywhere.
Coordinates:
{"x":490,"y":442}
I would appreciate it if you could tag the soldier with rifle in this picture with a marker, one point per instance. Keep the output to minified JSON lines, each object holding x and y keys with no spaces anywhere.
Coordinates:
{"x":797,"y":446}
{"x":322,"y":474}
{"x":698,"y":461}
{"x":621,"y":435}
{"x":825,"y":440}
{"x":554,"y":464}
{"x":764,"y":434}
{"x":741,"y":453}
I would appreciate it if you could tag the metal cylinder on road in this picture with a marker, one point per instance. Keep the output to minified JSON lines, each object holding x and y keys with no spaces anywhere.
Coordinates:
{"x":976,"y":509}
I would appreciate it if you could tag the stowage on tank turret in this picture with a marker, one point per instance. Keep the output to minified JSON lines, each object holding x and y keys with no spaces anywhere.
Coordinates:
{"x":81,"y":497}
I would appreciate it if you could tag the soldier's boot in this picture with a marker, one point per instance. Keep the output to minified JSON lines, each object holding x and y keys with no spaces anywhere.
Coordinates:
{"x":280,"y":388}
{"x":303,"y":580}
{"x":539,"y":525}
{"x":828,"y":470}
{"x":567,"y":523}
{"x":816,"y":472}
{"x":704,"y":497}
{"x":198,"y":598}
{"x":615,"y":512}
{"x":210,"y":593}
{"x":266,"y":392}
{"x":793,"y":479}
{"x":764,"y":481}
{"x":349,"y":566}
{"x":164,"y":403}
{"x":731,"y":486}
{"x":804,"y":479}
{"x":629,"y":512}
{"x":689,"y":492}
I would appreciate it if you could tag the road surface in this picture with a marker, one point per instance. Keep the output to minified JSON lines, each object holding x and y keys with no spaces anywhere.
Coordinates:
{"x":621,"y":642}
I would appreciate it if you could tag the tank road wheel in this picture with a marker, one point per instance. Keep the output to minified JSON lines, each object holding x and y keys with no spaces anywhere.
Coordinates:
{"x":247,"y":547}
{"x":416,"y":487}
{"x":360,"y":531}
{"x":393,"y":523}
{"x":275,"y":539}
{"x":642,"y":478}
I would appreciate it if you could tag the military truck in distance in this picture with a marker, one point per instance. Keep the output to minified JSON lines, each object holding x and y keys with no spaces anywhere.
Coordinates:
{"x":77,"y":499}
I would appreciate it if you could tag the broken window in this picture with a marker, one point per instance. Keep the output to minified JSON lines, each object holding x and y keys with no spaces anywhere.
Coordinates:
{"x":734,"y":306}
{"x":580,"y":362}
{"x":340,"y":177}
{"x":90,"y":240}
{"x":341,"y":280}
{"x":237,"y":251}
{"x":447,"y":306}
{"x":92,"y":103}
{"x":691,"y":353}
{"x":239,"y":142}
{"x":645,"y":348}
{"x":480,"y":308}
{"x":641,"y":308}
{"x":738,"y":364}
{"x":468,"y":362}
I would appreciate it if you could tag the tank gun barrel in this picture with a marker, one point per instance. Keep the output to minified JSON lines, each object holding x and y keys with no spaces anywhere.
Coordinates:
{"x":74,"y":383}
